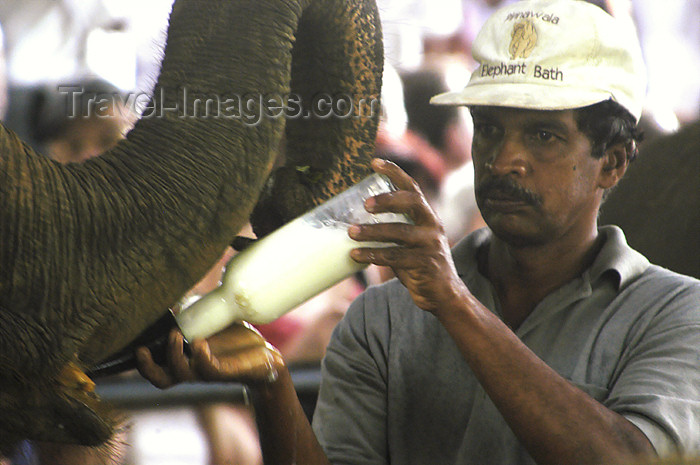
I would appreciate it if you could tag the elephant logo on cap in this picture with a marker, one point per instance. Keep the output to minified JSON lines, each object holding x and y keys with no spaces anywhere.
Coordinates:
{"x":524,"y":39}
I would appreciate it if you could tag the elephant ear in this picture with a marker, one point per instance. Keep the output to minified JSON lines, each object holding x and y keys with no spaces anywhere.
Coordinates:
{"x":332,"y":125}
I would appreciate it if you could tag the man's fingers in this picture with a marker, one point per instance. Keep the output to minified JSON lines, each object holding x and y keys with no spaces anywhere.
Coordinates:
{"x":413,"y":204}
{"x":177,"y":360}
{"x":398,"y":176}
{"x":151,"y":370}
{"x":255,"y":364}
{"x":395,"y":257}
{"x":236,"y":337}
{"x":243,"y":356}
{"x":406,"y":235}
{"x":408,"y":200}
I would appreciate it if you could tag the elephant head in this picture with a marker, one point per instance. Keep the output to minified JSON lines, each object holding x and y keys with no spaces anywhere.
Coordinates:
{"x":92,"y":253}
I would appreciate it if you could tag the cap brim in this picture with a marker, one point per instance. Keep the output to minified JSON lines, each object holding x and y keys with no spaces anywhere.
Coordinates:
{"x":522,"y":95}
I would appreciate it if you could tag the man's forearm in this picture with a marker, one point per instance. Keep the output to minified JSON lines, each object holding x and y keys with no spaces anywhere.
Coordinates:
{"x":286,"y":436}
{"x":555,"y":421}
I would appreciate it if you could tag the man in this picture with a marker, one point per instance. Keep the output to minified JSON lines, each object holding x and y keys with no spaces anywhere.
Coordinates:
{"x":81,"y":123}
{"x":3,"y":77}
{"x":541,"y":339}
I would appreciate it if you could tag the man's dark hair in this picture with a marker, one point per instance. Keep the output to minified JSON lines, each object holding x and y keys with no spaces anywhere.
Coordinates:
{"x":52,"y":112}
{"x":430,"y":121}
{"x":608,"y":123}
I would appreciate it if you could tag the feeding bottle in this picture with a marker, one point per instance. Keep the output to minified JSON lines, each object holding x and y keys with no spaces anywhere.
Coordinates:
{"x":282,"y":270}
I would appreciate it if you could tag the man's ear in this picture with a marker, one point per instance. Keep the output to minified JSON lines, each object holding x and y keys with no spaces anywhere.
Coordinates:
{"x":615,"y":162}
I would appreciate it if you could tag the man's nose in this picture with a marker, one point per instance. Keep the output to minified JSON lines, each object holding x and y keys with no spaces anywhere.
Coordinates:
{"x":510,"y":158}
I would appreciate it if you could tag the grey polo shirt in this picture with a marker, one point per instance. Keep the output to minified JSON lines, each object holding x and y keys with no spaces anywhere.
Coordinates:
{"x":396,"y":390}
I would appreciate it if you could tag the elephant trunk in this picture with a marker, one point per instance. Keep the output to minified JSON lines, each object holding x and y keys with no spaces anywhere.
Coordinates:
{"x":92,"y":253}
{"x":336,"y":74}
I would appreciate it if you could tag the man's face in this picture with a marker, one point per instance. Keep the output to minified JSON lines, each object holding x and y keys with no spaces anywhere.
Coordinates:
{"x":535,"y":179}
{"x":88,"y":137}
{"x":3,"y":80}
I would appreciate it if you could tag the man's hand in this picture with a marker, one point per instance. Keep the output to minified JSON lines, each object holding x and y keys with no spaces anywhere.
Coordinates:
{"x":422,"y":260}
{"x":239,"y":353}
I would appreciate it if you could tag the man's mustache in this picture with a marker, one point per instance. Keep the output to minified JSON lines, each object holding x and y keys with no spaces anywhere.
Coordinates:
{"x":508,"y":188}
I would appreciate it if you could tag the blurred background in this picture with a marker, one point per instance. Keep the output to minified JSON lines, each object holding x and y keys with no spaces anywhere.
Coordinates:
{"x":50,"y":42}
{"x":115,"y":47}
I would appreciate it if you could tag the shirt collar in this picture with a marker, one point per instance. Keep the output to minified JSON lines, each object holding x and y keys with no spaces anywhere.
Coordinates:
{"x":465,"y":253}
{"x":615,"y":256}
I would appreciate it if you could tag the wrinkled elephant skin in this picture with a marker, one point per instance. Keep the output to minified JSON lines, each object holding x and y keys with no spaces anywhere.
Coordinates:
{"x":92,"y":253}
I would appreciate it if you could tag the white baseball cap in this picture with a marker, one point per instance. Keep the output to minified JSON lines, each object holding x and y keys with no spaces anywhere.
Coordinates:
{"x":554,"y":55}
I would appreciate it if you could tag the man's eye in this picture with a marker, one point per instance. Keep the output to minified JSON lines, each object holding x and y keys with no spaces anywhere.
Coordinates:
{"x":485,"y":130}
{"x":545,"y":136}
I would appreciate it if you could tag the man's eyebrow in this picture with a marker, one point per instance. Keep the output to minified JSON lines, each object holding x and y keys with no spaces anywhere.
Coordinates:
{"x":541,"y":121}
{"x":478,"y":112}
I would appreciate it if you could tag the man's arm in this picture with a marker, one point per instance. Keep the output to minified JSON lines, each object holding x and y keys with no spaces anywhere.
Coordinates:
{"x":244,"y":356}
{"x":285,"y":433}
{"x":555,"y":421}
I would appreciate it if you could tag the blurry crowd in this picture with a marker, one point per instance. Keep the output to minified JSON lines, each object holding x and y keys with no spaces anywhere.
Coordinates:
{"x":69,"y":42}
